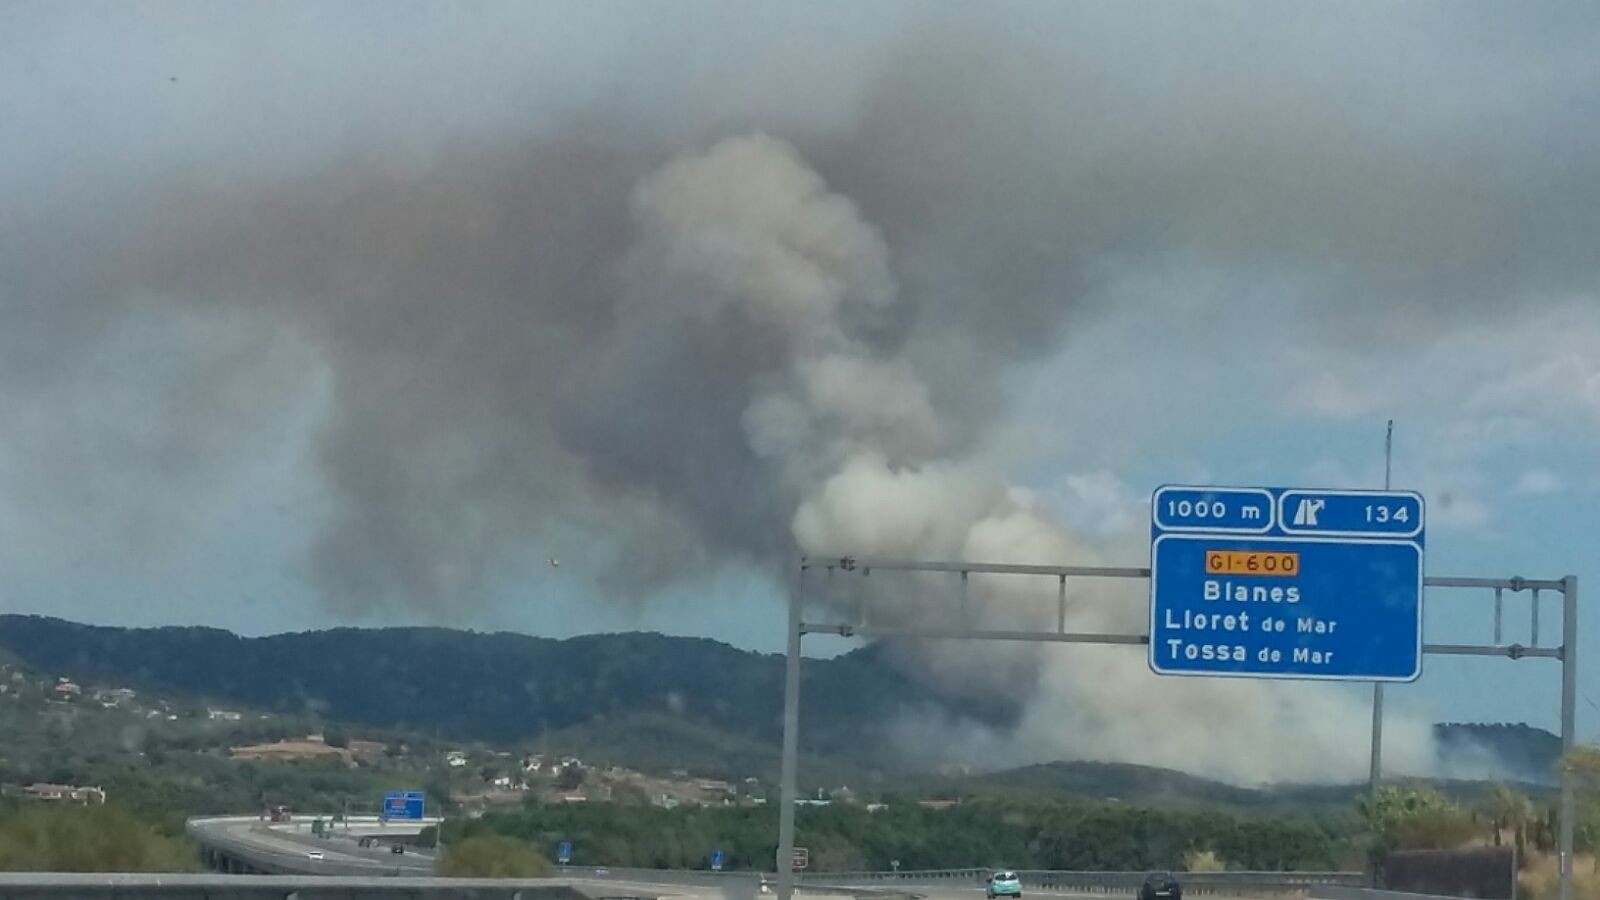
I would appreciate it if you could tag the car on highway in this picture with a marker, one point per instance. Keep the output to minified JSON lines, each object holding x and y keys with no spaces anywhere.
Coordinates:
{"x":1003,"y":884}
{"x":1160,"y":886}
{"x":397,"y":848}
{"x":314,"y":854}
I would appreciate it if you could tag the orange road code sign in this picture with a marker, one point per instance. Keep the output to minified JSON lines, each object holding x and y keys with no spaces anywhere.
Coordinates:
{"x":1252,"y":562}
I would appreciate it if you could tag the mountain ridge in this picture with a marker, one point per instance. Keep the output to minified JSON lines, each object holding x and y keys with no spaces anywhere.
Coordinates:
{"x":506,"y":687}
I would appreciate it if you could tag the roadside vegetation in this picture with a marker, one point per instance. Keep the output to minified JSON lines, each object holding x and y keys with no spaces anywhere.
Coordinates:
{"x":48,"y":838}
{"x":493,"y":856}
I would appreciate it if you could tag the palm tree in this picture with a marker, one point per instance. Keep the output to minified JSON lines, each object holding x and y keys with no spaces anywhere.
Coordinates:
{"x":1510,"y":810}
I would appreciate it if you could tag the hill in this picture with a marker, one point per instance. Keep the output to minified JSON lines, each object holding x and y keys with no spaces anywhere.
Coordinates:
{"x":1525,"y":753}
{"x":495,"y":687}
{"x":650,"y":701}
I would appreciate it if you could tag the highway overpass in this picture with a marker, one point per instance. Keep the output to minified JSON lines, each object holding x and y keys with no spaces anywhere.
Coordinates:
{"x":250,"y":845}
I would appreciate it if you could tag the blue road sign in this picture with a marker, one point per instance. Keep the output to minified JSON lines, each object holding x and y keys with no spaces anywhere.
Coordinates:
{"x":564,"y":852}
{"x":716,"y":860}
{"x":1286,"y":583}
{"x":404,"y":805}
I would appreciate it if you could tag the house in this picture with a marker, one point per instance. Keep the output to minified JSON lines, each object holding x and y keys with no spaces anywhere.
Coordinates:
{"x":222,"y":715}
{"x":114,"y":697}
{"x":877,"y":807}
{"x":67,"y":690}
{"x":455,"y":759}
{"x":571,"y":798}
{"x":938,"y":804}
{"x":502,"y":781}
{"x":65,"y":793}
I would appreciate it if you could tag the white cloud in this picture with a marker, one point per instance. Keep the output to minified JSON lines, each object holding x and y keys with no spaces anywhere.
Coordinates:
{"x":1538,"y":481}
{"x":1099,"y":503}
{"x":1547,"y":366}
{"x":1328,"y":395}
{"x":1457,"y":511}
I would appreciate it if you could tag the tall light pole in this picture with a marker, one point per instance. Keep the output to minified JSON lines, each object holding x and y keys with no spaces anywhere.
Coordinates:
{"x":1375,"y":774}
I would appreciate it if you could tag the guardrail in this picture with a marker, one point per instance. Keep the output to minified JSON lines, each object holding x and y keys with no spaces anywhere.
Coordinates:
{"x":106,"y":886}
{"x":1104,"y":882}
{"x":1196,"y":883}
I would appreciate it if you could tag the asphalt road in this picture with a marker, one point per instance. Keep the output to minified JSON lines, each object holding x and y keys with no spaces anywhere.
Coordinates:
{"x":290,"y":846}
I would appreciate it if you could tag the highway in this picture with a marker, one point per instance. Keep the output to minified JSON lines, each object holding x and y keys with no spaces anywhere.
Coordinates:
{"x":283,"y":848}
{"x":248,"y":844}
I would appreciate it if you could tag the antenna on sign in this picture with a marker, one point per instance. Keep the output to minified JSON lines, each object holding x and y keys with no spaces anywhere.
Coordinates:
{"x":1388,"y":454}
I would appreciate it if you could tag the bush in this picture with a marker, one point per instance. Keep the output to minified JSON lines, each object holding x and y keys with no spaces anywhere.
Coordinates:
{"x":492,"y":856}
{"x":88,"y":839}
{"x":1204,"y":862}
{"x":1405,"y":818}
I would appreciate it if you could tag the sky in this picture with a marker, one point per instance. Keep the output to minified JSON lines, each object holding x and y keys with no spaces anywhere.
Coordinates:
{"x":366,"y":313}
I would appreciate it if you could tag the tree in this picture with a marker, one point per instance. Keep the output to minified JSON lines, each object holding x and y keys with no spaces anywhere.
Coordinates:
{"x":1583,"y":763}
{"x":492,"y":856}
{"x":1510,"y":810}
{"x":571,"y":777}
{"x":1420,"y":818}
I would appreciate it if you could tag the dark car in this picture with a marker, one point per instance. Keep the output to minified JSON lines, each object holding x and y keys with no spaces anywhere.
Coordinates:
{"x":1160,"y":886}
{"x":397,"y":848}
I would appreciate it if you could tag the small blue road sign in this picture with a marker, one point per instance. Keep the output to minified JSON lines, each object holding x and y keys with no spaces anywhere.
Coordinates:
{"x":403,"y":805}
{"x":1286,"y":583}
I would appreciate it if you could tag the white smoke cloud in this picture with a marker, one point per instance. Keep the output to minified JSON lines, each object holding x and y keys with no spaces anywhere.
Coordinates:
{"x":746,"y":242}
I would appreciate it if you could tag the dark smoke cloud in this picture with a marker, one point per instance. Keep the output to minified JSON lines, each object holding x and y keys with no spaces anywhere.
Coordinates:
{"x":453,"y":298}
{"x":722,"y":303}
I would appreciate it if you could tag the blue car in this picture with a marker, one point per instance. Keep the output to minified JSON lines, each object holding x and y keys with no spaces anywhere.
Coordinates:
{"x":1003,"y":884}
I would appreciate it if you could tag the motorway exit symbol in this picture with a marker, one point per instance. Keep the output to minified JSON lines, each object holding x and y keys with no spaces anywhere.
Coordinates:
{"x":1286,"y":583}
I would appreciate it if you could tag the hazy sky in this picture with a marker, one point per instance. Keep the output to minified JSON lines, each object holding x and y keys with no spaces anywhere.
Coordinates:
{"x":310,"y":313}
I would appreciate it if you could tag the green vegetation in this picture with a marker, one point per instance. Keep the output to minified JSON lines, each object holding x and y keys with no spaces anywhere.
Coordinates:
{"x":1416,"y":818}
{"x":498,"y":687}
{"x":492,"y":856}
{"x":53,"y":838}
{"x":1040,"y":834}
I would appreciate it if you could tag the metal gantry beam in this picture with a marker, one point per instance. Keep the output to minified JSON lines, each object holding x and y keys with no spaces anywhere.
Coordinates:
{"x":1566,"y":653}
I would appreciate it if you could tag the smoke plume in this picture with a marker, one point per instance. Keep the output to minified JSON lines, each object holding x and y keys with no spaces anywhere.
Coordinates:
{"x":697,"y":319}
